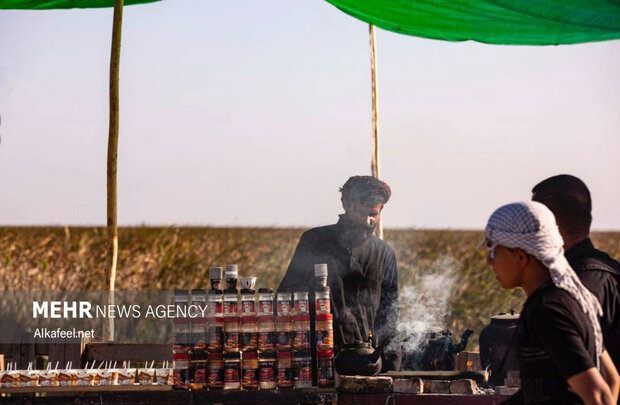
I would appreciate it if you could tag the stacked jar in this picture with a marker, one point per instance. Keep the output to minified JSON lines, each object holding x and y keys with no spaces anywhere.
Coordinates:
{"x":302,"y":360}
{"x":324,"y":328}
{"x":231,"y":321}
{"x":198,"y":340}
{"x":215,"y":331}
{"x":284,"y":339}
{"x":181,"y":345}
{"x":267,"y":338}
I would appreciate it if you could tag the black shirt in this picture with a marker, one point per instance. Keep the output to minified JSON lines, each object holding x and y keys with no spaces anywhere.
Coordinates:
{"x":555,"y":341}
{"x":601,"y":275}
{"x":363,"y":283}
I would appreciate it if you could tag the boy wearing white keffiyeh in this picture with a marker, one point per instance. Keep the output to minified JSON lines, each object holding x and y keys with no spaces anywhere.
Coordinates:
{"x":559,"y":340}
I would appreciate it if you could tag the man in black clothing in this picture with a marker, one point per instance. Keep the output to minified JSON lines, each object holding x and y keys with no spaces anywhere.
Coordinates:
{"x":362,"y":272}
{"x":569,"y":200}
{"x":558,"y":338}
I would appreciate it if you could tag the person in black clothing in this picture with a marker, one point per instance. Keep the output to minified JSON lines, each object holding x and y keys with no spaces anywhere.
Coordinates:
{"x":362,"y":273}
{"x":558,"y":338}
{"x":569,"y":199}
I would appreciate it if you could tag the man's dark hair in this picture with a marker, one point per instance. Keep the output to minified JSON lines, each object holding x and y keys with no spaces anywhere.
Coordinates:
{"x":569,"y":199}
{"x":367,"y":190}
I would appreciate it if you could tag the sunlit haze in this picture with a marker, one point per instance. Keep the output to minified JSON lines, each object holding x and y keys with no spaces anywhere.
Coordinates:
{"x":254,"y":113}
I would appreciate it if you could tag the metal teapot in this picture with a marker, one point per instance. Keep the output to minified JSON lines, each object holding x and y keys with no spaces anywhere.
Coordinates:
{"x":440,"y":352}
{"x":358,"y":359}
{"x":498,"y":352}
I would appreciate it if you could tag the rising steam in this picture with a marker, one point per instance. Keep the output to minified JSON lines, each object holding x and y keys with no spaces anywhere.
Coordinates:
{"x":424,"y":305}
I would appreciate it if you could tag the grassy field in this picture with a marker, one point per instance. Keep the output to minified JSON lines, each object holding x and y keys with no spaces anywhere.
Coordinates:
{"x":167,"y":258}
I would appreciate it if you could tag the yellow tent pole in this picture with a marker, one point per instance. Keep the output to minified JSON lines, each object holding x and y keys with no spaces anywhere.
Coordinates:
{"x":375,"y":125}
{"x":112,"y":226}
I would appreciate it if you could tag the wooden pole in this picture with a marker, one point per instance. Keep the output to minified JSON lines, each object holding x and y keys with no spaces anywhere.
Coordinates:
{"x":112,"y":229}
{"x":375,"y":124}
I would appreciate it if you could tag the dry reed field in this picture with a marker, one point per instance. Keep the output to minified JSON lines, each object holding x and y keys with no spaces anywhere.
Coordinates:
{"x":56,"y":258}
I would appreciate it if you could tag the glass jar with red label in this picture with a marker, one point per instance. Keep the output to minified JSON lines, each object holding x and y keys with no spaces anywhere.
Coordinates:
{"x":198,"y":308}
{"x":197,"y":369}
{"x":325,"y":368}
{"x":267,"y":336}
{"x":284,"y":304}
{"x":249,"y":334}
{"x":215,"y":379}
{"x":231,"y":334}
{"x":284,"y":330}
{"x":180,"y":375}
{"x":182,"y":335}
{"x":215,"y":303}
{"x":248,"y":302}
{"x":215,"y":335}
{"x":324,"y":332}
{"x":302,"y":365}
{"x":323,"y":303}
{"x":231,"y":302}
{"x":300,"y":303}
{"x":232,"y":371}
{"x":265,"y":302}
{"x":285,"y":378}
{"x":301,"y":330}
{"x":268,"y":370}
{"x":250,"y":371}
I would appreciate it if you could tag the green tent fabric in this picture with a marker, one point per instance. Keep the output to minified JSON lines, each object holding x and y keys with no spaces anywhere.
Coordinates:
{"x":54,"y":4}
{"x":509,"y":22}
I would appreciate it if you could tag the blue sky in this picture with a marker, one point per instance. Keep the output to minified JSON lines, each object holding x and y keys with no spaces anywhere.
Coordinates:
{"x":254,"y":113}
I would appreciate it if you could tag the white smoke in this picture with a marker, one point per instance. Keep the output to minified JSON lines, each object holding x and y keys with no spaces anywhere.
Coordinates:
{"x":423,"y":306}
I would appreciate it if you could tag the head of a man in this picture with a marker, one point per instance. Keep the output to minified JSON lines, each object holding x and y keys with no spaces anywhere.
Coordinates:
{"x":363,"y":198}
{"x":523,"y":240}
{"x":569,"y":199}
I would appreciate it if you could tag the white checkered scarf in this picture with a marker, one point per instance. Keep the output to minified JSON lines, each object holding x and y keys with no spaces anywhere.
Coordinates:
{"x":531,"y":226}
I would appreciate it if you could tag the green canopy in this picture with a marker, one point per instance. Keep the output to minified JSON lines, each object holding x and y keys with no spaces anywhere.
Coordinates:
{"x":52,"y":4}
{"x":509,"y":22}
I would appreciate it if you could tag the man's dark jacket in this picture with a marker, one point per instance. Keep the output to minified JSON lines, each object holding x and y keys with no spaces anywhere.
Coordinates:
{"x":601,"y":275}
{"x":362,"y":279}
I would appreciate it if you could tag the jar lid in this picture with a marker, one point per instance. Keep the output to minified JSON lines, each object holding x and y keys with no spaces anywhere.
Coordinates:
{"x":321,"y":289}
{"x":247,"y":291}
{"x":284,"y":294}
{"x":249,"y":319}
{"x":284,"y":355}
{"x":199,"y":291}
{"x":325,"y":353}
{"x":231,"y":291}
{"x":215,"y":356}
{"x":268,"y":356}
{"x":232,"y":270}
{"x":231,"y":319}
{"x":320,"y":270}
{"x":266,"y":318}
{"x":232,"y":356}
{"x":250,"y":356}
{"x":301,"y":318}
{"x":324,"y":317}
{"x":215,"y":292}
{"x":283,"y":318}
{"x":180,"y":293}
{"x":180,"y":356}
{"x":265,"y":290}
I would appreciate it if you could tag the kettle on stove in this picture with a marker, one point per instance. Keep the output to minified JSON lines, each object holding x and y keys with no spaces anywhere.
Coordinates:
{"x":359,"y":358}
